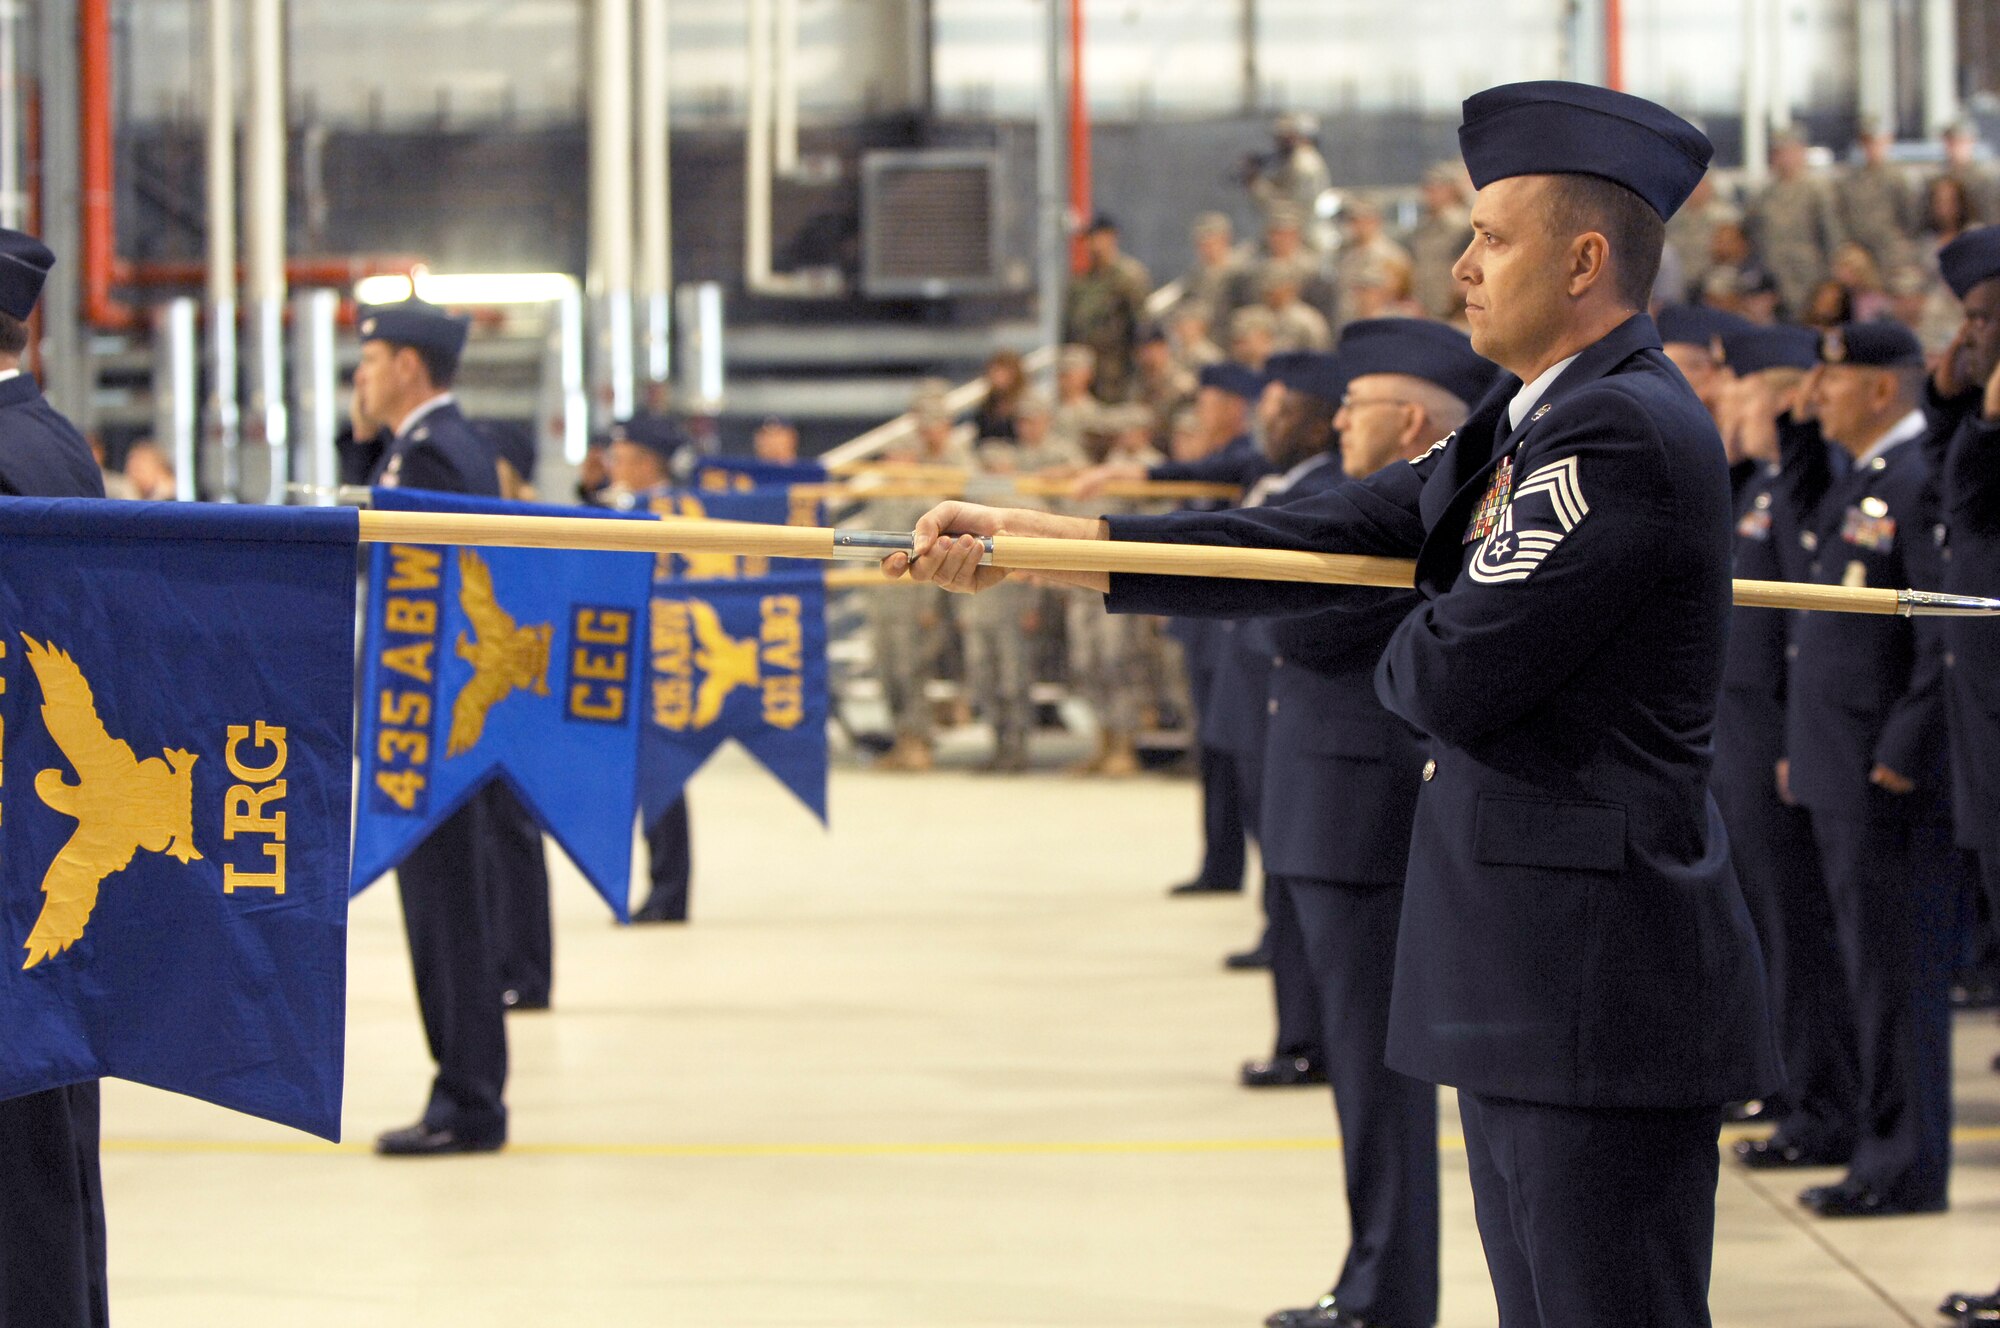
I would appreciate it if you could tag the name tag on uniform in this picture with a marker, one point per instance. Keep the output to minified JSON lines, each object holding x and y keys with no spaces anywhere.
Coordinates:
{"x":1868,"y":531}
{"x":1492,"y":503}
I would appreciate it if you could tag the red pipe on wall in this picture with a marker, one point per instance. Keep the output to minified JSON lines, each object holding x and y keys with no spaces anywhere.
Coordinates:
{"x":100,"y":249}
{"x":102,"y":268}
{"x":1079,"y":138}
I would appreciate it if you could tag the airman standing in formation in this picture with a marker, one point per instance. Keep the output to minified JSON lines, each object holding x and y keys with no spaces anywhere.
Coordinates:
{"x":52,"y":1227}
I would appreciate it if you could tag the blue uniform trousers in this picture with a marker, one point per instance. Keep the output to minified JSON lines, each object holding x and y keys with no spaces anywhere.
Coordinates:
{"x":1291,"y":974}
{"x":449,"y":913}
{"x":670,"y":862}
{"x":1777,"y":861}
{"x":1892,"y":883}
{"x":52,"y":1271}
{"x":1222,"y":847}
{"x":1592,"y":1216}
{"x":512,"y":856}
{"x":1388,"y":1122}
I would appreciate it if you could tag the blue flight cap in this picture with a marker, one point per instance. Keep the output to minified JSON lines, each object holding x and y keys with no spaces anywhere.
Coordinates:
{"x":419,"y":324}
{"x":24,"y":266}
{"x":1233,"y":378}
{"x":1752,"y":347}
{"x":1697,"y":325}
{"x":1556,"y":128}
{"x":1970,"y":259}
{"x":512,"y":443}
{"x":1878,"y":345}
{"x":1313,"y":373}
{"x":656,"y":433}
{"x":1435,"y":352}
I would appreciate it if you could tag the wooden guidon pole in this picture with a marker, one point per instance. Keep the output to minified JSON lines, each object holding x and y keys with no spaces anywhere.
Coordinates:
{"x":750,"y":539}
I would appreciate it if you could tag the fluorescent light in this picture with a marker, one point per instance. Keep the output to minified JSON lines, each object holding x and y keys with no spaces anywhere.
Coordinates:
{"x":468,"y":288}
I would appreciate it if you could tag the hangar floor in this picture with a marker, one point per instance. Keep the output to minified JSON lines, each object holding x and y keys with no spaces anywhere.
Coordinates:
{"x":955,"y":1063}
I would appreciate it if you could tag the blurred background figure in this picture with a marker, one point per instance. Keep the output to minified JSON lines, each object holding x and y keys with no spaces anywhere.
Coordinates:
{"x":1107,"y":302}
{"x":1793,"y":225}
{"x":776,"y":441}
{"x":1293,"y":171}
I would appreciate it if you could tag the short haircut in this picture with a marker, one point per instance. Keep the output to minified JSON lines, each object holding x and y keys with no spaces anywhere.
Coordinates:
{"x":1445,"y":410}
{"x":441,"y":366}
{"x":13,"y":335}
{"x":1580,"y":203}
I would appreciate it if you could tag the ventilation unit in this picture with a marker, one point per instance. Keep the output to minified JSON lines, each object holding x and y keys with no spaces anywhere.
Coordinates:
{"x":930,"y":222}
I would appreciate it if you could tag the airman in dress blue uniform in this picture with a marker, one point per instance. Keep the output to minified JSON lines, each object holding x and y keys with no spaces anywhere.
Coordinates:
{"x":1964,"y":405}
{"x":1964,"y":450}
{"x":451,"y":895}
{"x":1404,"y":384}
{"x":1223,"y":389}
{"x":52,"y":1236}
{"x":1781,"y":472}
{"x":1574,"y":953}
{"x":651,"y":454}
{"x":1865,"y":755}
{"x":1298,"y":443}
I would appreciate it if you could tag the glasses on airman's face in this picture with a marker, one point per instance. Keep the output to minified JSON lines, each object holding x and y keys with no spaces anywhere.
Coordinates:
{"x":1351,"y":402}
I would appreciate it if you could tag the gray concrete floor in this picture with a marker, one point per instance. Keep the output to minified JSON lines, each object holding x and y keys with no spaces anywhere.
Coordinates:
{"x":956,"y":1062}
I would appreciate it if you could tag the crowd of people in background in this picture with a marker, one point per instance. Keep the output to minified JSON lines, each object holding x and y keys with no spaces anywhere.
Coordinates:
{"x":1820,"y":248}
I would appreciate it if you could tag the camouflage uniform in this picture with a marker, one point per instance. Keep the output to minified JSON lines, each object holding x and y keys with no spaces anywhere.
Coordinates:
{"x":1796,"y":231}
{"x":1875,"y":208}
{"x":1000,"y":643}
{"x":909,"y":625}
{"x":1103,"y":311}
{"x":1435,"y":244}
{"x":1297,"y":177}
{"x":1108,"y":663}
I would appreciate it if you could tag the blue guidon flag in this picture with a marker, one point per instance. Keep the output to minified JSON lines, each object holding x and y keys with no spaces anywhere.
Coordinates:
{"x":736,"y":648}
{"x":487,"y":663}
{"x":176,"y":701}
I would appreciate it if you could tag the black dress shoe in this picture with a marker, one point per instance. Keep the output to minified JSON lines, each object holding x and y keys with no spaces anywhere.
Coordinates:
{"x":1996,"y":1064}
{"x":1200,"y":887}
{"x":1965,"y":1304}
{"x":1244,"y":960}
{"x":659,"y":912}
{"x":1323,"y":1315}
{"x":1846,"y":1200}
{"x":1282,"y":1072}
{"x":521,"y":1002}
{"x":420,"y":1140}
{"x":1772,"y":1154}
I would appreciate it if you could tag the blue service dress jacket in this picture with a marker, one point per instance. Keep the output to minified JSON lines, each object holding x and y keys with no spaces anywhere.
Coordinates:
{"x":1242,"y":463}
{"x":1868,"y":689}
{"x":41,"y":453}
{"x":1235,"y":713}
{"x":1775,"y":513}
{"x":441,"y":452}
{"x":1239,"y":461}
{"x":1573,"y":931}
{"x":1964,"y":452}
{"x":1341,"y":773}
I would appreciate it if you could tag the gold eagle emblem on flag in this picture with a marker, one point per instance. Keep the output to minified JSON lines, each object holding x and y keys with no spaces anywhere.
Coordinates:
{"x":120,"y":803}
{"x":505,"y":658}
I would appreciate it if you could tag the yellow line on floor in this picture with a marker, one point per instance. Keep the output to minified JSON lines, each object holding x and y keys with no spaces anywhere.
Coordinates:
{"x":994,"y":1148}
